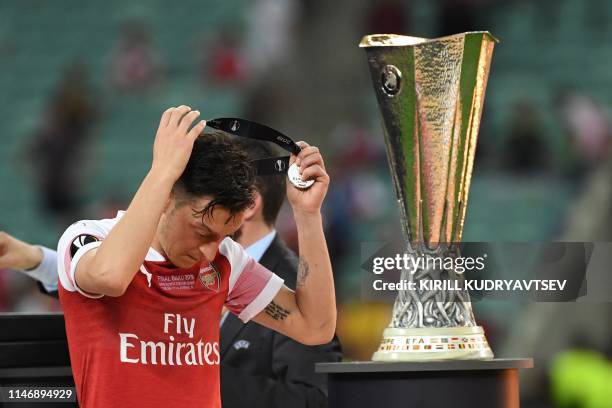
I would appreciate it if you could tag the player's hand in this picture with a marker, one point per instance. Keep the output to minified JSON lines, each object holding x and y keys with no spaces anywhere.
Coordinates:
{"x":174,"y":140}
{"x":16,"y":254}
{"x":311,"y":167}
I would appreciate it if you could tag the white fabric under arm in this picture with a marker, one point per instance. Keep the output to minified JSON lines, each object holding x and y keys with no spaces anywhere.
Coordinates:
{"x":46,"y":271}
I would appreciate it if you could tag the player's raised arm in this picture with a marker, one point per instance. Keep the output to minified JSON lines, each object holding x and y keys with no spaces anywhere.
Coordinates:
{"x":109,"y":269}
{"x":309,"y":314}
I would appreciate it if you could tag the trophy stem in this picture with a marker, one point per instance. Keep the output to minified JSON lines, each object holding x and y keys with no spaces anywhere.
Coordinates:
{"x":439,"y":298}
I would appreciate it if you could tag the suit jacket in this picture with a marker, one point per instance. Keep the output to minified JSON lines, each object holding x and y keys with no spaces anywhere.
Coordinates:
{"x":262,"y":368}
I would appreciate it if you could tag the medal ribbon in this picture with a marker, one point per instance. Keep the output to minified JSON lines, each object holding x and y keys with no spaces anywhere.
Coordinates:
{"x":254,"y":130}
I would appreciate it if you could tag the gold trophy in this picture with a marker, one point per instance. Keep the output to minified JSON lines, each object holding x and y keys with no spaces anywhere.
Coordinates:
{"x":431,"y":93}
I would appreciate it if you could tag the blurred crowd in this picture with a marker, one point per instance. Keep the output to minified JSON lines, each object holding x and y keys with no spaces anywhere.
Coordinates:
{"x":298,"y":69}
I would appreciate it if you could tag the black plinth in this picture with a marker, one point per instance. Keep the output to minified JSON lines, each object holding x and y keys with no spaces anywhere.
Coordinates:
{"x":457,"y":384}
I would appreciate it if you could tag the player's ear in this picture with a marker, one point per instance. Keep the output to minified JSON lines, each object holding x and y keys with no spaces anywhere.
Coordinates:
{"x":255,"y":209}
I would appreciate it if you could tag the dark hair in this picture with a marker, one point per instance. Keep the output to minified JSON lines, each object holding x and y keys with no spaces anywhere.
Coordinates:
{"x":219,"y":169}
{"x":272,"y":188}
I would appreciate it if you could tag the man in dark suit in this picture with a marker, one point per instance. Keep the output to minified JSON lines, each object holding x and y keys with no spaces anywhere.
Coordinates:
{"x":259,"y":367}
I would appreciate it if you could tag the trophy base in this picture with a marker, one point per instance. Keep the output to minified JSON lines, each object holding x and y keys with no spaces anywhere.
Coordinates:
{"x":445,"y":343}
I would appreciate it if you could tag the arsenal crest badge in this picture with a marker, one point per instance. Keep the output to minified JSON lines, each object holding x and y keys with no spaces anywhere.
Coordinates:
{"x":210,"y":278}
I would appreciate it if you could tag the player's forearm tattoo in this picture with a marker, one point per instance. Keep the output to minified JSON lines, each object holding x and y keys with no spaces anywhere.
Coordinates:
{"x":276,"y":312}
{"x":303,"y":272}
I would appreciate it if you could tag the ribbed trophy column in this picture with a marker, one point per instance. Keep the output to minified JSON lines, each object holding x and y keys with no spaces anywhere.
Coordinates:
{"x":431,"y":93}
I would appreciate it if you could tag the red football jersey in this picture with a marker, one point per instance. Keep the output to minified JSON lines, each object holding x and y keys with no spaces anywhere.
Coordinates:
{"x":158,"y":344}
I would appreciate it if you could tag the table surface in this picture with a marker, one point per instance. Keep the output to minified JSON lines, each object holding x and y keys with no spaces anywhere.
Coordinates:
{"x":30,"y":372}
{"x":445,"y":365}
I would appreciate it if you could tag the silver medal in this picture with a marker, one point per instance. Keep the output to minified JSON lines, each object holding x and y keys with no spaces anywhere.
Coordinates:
{"x":294,"y":177}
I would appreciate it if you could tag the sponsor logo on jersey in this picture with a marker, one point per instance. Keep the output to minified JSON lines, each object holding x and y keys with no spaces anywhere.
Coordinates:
{"x":182,"y":347}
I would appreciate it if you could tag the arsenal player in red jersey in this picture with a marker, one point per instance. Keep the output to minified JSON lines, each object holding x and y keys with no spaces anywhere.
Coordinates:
{"x":142,"y":293}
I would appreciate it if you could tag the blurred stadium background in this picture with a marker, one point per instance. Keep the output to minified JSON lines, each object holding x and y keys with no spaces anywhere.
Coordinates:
{"x":83,"y":85}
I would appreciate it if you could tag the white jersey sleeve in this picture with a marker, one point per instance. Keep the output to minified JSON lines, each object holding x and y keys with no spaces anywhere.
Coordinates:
{"x":46,"y":271}
{"x":251,"y":286}
{"x":80,"y":238}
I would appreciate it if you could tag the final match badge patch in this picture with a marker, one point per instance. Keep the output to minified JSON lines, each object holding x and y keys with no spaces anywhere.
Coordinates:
{"x":210,"y":278}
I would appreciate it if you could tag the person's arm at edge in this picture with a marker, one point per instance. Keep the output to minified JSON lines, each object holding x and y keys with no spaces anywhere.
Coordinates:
{"x":18,"y":254}
{"x":35,"y":261}
{"x":109,"y":269}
